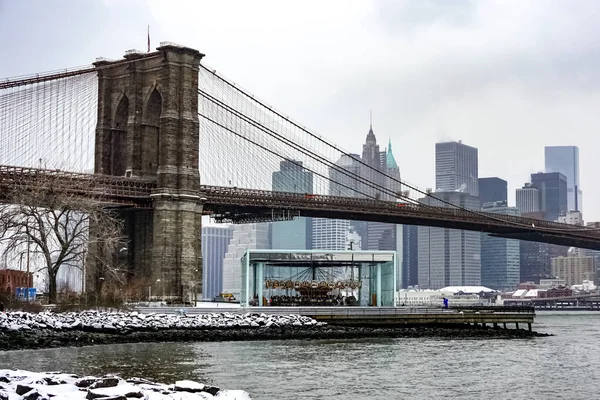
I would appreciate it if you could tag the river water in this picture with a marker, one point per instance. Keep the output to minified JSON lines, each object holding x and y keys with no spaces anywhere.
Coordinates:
{"x":565,"y":366}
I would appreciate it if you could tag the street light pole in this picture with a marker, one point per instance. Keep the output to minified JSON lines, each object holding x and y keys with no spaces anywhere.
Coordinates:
{"x":27,"y":289}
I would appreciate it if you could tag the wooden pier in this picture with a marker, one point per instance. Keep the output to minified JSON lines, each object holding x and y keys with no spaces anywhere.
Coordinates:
{"x":494,"y":316}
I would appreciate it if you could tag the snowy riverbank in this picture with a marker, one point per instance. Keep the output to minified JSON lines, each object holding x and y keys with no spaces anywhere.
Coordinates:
{"x":122,"y":322}
{"x":18,"y":384}
{"x":19,"y":331}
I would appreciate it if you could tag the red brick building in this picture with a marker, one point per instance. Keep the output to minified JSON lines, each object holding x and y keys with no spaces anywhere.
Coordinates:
{"x":12,"y":278}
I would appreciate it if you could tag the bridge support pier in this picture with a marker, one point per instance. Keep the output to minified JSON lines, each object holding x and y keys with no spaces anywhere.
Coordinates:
{"x":176,"y":253}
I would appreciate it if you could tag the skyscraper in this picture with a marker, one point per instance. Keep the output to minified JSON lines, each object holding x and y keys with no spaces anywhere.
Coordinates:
{"x":492,"y":190}
{"x":500,"y":258}
{"x":552,"y":187}
{"x":410,"y":256}
{"x":528,"y":199}
{"x":456,"y":168}
{"x":343,"y":184}
{"x":372,"y":157}
{"x":332,"y":234}
{"x":565,"y":159}
{"x":449,"y":257}
{"x":379,"y":235}
{"x":215,"y":240}
{"x":243,"y":238}
{"x":295,"y":234}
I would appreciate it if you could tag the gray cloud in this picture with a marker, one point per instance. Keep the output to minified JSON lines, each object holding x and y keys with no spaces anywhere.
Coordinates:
{"x":505,"y":76}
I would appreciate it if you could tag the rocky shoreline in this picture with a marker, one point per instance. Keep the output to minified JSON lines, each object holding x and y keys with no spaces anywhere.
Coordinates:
{"x":20,"y":331}
{"x":39,"y":339}
{"x":41,"y":386}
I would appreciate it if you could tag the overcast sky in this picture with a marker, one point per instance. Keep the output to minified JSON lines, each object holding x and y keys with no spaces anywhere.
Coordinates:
{"x":507,"y":77}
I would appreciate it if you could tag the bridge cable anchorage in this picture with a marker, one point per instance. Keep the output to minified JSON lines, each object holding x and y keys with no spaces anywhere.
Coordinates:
{"x":290,"y":143}
{"x":254,"y":108}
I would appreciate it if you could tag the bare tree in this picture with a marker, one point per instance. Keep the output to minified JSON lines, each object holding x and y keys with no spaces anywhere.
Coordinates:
{"x":51,"y":216}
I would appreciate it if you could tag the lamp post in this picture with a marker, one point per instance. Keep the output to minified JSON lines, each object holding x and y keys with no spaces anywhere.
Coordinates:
{"x":100,"y":280}
{"x":157,"y":283}
{"x":195,"y":287}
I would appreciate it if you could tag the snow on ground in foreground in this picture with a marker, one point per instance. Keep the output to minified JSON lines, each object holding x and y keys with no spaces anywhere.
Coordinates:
{"x":19,"y":384}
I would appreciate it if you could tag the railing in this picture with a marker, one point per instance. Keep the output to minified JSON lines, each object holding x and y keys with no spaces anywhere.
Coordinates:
{"x":496,"y":309}
{"x":339,"y":311}
{"x":226,"y":196}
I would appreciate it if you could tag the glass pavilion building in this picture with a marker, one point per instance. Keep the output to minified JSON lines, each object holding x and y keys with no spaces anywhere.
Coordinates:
{"x":318,"y":278}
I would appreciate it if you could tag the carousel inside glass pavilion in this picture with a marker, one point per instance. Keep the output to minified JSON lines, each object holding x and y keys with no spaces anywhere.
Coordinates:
{"x":313,"y":278}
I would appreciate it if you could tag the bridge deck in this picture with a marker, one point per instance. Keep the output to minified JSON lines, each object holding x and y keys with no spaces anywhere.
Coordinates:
{"x":230,"y":204}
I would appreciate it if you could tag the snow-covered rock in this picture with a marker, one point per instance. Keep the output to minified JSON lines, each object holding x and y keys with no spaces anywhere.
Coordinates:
{"x":18,"y":384}
{"x":116,"y":321}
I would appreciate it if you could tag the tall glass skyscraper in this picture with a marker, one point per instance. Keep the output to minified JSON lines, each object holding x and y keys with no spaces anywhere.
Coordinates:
{"x":456,"y":168}
{"x":565,"y":159}
{"x":295,"y":234}
{"x":552,"y":187}
{"x":500,"y":258}
{"x":492,"y":190}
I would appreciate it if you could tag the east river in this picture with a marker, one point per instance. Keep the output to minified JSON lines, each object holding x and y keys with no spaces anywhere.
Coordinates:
{"x":565,"y":366}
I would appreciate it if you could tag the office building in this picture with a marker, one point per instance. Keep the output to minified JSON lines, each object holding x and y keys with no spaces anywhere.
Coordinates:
{"x":572,"y":218}
{"x":342,"y":177}
{"x":590,"y":252}
{"x":492,"y":190}
{"x":244,"y":237}
{"x":574,"y":268}
{"x":331,"y":234}
{"x":410,"y":256}
{"x":565,"y":159}
{"x":373,"y":163}
{"x":382,"y":236}
{"x":295,"y":234}
{"x":536,"y":257}
{"x":528,"y":199}
{"x":449,"y":257}
{"x":456,"y":168}
{"x":500,"y":258}
{"x":215,"y":241}
{"x":552,"y":188}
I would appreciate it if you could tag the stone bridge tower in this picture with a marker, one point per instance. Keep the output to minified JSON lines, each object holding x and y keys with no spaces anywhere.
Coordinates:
{"x":148,"y":129}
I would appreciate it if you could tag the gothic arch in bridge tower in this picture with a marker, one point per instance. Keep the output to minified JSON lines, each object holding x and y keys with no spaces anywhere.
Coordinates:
{"x":118,"y":138}
{"x":151,"y":134}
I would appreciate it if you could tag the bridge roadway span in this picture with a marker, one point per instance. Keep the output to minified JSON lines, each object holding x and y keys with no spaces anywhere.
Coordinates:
{"x":381,"y":316}
{"x":230,"y":204}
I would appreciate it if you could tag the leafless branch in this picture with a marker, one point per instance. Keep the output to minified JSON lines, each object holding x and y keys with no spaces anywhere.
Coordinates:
{"x":56,"y":226}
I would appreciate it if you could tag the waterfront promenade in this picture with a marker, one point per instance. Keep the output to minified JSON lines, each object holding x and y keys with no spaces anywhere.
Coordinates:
{"x":494,"y":316}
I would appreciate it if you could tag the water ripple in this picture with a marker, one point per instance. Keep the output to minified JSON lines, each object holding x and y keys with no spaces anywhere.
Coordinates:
{"x":421,"y":368}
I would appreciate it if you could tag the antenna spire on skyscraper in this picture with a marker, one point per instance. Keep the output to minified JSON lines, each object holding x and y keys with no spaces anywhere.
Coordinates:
{"x":371,"y":119}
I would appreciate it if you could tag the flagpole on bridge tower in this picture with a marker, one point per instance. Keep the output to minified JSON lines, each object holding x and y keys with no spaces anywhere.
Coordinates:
{"x":148,"y":38}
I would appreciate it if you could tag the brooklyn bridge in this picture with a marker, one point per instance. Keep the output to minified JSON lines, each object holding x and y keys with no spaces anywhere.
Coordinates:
{"x":164,"y":139}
